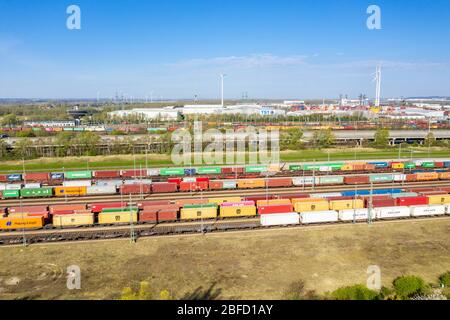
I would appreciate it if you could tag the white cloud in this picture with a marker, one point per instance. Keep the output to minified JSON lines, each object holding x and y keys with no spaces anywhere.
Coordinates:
{"x":249,"y":61}
{"x":390,"y":64}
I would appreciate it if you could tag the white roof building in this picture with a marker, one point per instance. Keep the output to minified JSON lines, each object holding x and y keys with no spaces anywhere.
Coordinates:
{"x":148,"y":113}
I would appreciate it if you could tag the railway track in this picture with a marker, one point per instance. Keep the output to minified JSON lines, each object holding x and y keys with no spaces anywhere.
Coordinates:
{"x":159,"y":230}
{"x":221,"y":193}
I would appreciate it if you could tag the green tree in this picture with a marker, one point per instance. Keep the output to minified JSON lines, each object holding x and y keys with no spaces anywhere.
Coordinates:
{"x":444,"y":279}
{"x":430,"y":139}
{"x":408,"y":286}
{"x":355,"y":292}
{"x":381,"y":137}
{"x":9,"y":120}
{"x":323,"y":138}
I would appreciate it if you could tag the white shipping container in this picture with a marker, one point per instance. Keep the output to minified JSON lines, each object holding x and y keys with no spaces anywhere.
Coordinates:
{"x":13,"y":186}
{"x":116,"y":183}
{"x":391,"y":212}
{"x":304,"y":181}
{"x":32,"y":185}
{"x":189,"y":179}
{"x":319,"y":216}
{"x":427,"y":210}
{"x":152,"y":172}
{"x":229,"y":184}
{"x":77,"y":183}
{"x":356,"y":214}
{"x":2,"y":186}
{"x":280,"y":219}
{"x":399,"y":177}
{"x":447,"y":208}
{"x":324,"y":168}
{"x":111,"y":189}
{"x":137,"y":181}
{"x":325,"y":195}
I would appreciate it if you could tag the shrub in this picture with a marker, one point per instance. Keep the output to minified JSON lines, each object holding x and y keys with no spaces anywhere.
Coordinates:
{"x":297,"y":291}
{"x":355,"y":292}
{"x":444,"y":279}
{"x":409,"y":286}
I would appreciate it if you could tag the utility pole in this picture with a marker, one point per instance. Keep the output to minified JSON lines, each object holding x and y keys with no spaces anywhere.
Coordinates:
{"x":132,"y":232}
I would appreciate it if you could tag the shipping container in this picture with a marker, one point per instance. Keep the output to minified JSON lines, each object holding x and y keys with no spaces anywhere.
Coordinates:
{"x":73,"y":220}
{"x":237,"y":211}
{"x":427,"y":176}
{"x":279,"y":182}
{"x":36,"y":176}
{"x":198,"y":213}
{"x":125,"y":217}
{"x":18,"y":223}
{"x":355,"y":180}
{"x":10,"y":194}
{"x":427,"y":210}
{"x":159,"y":208}
{"x":219,"y":201}
{"x":44,"y":214}
{"x":376,"y":203}
{"x":318,"y":216}
{"x":410,"y":165}
{"x":404,"y":194}
{"x":78,"y":175}
{"x":27,"y":209}
{"x":72,"y":207}
{"x":209,"y":170}
{"x":380,"y":164}
{"x":152,"y":172}
{"x":439,"y":199}
{"x":184,"y":202}
{"x":113,"y":182}
{"x":149,"y":203}
{"x":77,"y":183}
{"x":346,"y":204}
{"x":325,"y":195}
{"x":215,"y":185}
{"x":56,"y":176}
{"x":164,"y":187}
{"x":444,"y":176}
{"x":275,"y":208}
{"x":330,"y":180}
{"x":391,"y":212}
{"x":98,"y":207}
{"x":255,"y":169}
{"x":69,"y":191}
{"x":36,"y":192}
{"x":381,"y":178}
{"x":355,"y":214}
{"x":32,"y":185}
{"x":14,"y":177}
{"x":289,"y":218}
{"x":171,"y":172}
{"x":305,"y":181}
{"x":193,"y":186}
{"x":251,"y":183}
{"x":427,"y":164}
{"x":229,"y":184}
{"x":311,"y":206}
{"x":93,"y":190}
{"x":412,"y":201}
{"x":266,"y":202}
{"x":13,"y":186}
{"x":106,"y":174}
{"x":137,"y":181}
{"x":135,"y":189}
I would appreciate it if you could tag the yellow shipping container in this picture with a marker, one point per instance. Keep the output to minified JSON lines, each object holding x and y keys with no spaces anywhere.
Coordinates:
{"x":219,"y":201}
{"x":439,"y":199}
{"x":251,"y":183}
{"x":116,"y":217}
{"x":427,"y":176}
{"x":296,"y":200}
{"x":273,"y":201}
{"x":198,"y":213}
{"x":66,"y":220}
{"x":398,"y":165}
{"x":238,"y":211}
{"x":346,"y":204}
{"x":347,"y":167}
{"x":311,"y":206}
{"x":444,"y":176}
{"x":26,"y":223}
{"x":70,"y":191}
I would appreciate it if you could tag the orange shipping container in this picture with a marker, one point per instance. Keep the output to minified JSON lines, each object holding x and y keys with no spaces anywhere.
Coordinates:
{"x":444,"y":176}
{"x":251,"y":183}
{"x":427,"y":176}
{"x":183,"y":202}
{"x":70,"y":191}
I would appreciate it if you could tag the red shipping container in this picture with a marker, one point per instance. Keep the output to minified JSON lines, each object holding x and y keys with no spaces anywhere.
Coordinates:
{"x":411,"y":177}
{"x":148,"y":216}
{"x":417,"y":190}
{"x":143,"y":204}
{"x":430,"y":193}
{"x":97,"y":207}
{"x":37,"y":176}
{"x":193,"y":186}
{"x":262,"y":197}
{"x":73,"y":207}
{"x":411,"y":201}
{"x":279,"y":182}
{"x":228,"y":170}
{"x":167,"y":216}
{"x":183,"y":202}
{"x":356,"y":180}
{"x":172,"y":207}
{"x":133,"y":173}
{"x":3,"y":178}
{"x":106,"y":174}
{"x":293,"y":196}
{"x":175,"y":180}
{"x":439,"y":164}
{"x":63,"y":212}
{"x":164,"y":187}
{"x":446,"y":189}
{"x":376,"y":203}
{"x":27,"y":209}
{"x":135,"y":188}
{"x":202,"y":179}
{"x":275,"y":208}
{"x":215,"y":185}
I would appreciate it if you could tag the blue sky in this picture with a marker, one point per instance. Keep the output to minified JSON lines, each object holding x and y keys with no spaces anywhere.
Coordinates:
{"x":176,"y":49}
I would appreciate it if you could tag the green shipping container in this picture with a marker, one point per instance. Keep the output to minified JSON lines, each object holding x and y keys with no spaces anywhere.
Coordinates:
{"x":205,"y":205}
{"x":11,"y":193}
{"x":335,"y":166}
{"x":295,"y":167}
{"x":172,"y":172}
{"x":331,"y":180}
{"x":427,"y":164}
{"x":381,"y":178}
{"x":410,"y":165}
{"x":206,"y":170}
{"x":36,"y":192}
{"x":254,"y":169}
{"x":78,"y":175}
{"x":310,"y":167}
{"x":111,"y":210}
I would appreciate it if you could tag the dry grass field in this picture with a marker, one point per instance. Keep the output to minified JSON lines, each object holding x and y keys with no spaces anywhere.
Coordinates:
{"x":239,"y":265}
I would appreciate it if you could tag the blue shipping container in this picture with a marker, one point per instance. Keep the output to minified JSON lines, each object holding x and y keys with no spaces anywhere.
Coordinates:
{"x":447,"y":164}
{"x":355,"y":193}
{"x":386,"y":191}
{"x":379,"y":164}
{"x":57,"y":176}
{"x":189,"y":171}
{"x":14,"y":177}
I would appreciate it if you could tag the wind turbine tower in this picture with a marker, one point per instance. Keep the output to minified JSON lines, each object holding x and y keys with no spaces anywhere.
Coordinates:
{"x":378,"y":86}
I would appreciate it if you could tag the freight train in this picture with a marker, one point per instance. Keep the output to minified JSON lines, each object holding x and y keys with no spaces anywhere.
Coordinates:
{"x":271,"y":209}
{"x":80,"y":188}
